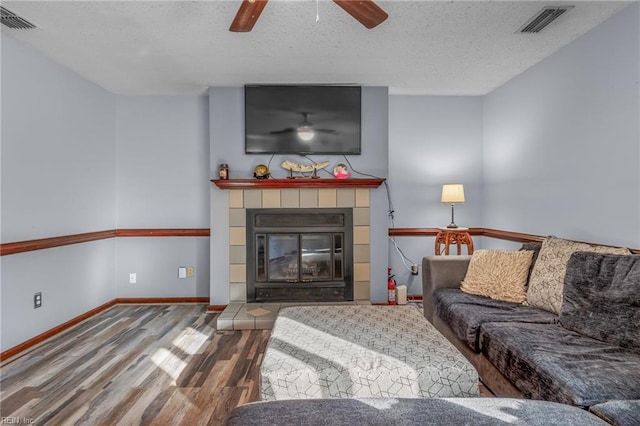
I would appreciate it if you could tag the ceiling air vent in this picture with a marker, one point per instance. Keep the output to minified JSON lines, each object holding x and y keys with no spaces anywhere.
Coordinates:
{"x":543,"y":18}
{"x":11,"y":20}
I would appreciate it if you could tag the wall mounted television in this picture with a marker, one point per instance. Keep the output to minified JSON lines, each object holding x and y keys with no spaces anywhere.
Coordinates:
{"x":297,"y":119}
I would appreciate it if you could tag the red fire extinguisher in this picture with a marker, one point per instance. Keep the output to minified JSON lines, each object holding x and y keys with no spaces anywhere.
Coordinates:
{"x":392,"y":288}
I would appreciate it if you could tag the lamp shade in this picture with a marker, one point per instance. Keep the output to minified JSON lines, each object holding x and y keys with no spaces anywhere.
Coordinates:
{"x":452,"y":193}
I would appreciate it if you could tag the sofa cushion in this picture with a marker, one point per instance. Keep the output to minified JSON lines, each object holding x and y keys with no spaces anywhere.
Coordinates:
{"x":619,"y":413}
{"x":547,"y":276}
{"x":602,"y":298}
{"x":409,"y":411}
{"x":552,"y":363}
{"x":498,"y":274}
{"x":445,"y":297}
{"x":450,"y":296}
{"x":467,"y":314}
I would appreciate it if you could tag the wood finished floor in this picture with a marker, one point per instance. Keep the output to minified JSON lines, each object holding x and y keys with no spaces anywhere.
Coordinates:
{"x":136,"y":365}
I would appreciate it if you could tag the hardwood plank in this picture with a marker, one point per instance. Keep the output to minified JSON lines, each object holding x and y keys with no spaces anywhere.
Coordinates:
{"x":133,"y":414}
{"x":12,"y":403}
{"x":114,"y":407}
{"x":151,"y":412}
{"x":59,"y":329}
{"x":160,"y":300}
{"x":16,"y":350}
{"x":131,"y":364}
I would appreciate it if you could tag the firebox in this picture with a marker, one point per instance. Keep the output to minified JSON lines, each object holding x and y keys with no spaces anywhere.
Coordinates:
{"x":298,"y":255}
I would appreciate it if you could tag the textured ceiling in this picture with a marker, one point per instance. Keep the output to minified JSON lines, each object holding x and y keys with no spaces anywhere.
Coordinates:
{"x":183,"y":47}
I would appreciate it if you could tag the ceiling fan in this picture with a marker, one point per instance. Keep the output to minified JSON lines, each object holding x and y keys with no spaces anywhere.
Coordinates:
{"x":366,"y":12}
{"x":305,"y":129}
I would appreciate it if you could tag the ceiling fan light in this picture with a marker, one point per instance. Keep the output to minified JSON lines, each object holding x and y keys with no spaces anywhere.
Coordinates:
{"x":306,"y":134}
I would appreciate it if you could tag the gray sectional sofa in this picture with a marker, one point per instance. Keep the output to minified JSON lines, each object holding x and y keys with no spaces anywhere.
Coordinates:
{"x":579,"y":365}
{"x":410,"y":412}
{"x":587,"y":355}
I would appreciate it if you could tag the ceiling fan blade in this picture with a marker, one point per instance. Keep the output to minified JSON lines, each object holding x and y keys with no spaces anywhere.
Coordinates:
{"x":366,"y":12}
{"x":247,"y":15}
{"x":287,"y":130}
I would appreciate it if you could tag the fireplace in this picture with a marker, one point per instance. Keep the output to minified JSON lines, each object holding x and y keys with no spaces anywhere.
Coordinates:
{"x":298,"y":255}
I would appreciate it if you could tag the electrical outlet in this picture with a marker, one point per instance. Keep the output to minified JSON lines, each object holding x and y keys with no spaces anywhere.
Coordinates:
{"x":190,"y":271}
{"x":414,"y":269}
{"x":133,"y":278}
{"x":37,"y":300}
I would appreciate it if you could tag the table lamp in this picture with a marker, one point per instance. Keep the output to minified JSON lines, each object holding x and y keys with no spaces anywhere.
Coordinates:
{"x":452,"y":193}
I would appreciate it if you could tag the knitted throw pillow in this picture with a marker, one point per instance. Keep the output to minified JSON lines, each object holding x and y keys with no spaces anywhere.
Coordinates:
{"x":499,"y":275}
{"x":547,"y":277}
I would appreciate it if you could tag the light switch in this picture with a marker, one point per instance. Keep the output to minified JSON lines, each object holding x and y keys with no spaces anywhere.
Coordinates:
{"x":182,"y":272}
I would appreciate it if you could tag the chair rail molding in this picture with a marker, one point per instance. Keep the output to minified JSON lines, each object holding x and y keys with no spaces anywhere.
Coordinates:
{"x":50,"y":242}
{"x":499,"y":234}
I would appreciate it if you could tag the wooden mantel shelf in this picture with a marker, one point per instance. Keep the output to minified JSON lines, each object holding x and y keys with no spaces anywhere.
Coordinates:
{"x":296,"y":183}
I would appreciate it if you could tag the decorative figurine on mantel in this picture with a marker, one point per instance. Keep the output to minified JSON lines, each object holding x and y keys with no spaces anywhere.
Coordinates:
{"x":223,"y":171}
{"x":340,"y":171}
{"x":311,"y":170}
{"x":261,"y":172}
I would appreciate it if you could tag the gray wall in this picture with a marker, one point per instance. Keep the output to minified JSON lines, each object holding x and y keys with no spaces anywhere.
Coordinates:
{"x":162,"y":182}
{"x":561,"y":141}
{"x":432,"y":140}
{"x":58,"y":156}
{"x":554,"y":151}
{"x":227,"y":146}
{"x":77,"y":159}
{"x":58,"y":178}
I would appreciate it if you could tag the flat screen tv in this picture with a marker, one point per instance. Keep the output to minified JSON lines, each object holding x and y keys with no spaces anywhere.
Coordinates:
{"x":302,"y":119}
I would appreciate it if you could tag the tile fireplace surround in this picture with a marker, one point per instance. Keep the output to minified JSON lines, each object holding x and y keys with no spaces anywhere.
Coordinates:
{"x":285,"y":193}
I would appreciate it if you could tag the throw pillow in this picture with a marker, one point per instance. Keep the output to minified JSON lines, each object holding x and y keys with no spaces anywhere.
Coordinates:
{"x":602,"y":298}
{"x":547,"y":276}
{"x":499,"y":275}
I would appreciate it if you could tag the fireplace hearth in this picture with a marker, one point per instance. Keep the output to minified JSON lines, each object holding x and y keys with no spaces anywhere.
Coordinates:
{"x":298,"y":255}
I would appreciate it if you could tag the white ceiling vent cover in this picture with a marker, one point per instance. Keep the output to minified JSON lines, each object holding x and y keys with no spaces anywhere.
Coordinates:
{"x":543,"y":18}
{"x":13,"y":21}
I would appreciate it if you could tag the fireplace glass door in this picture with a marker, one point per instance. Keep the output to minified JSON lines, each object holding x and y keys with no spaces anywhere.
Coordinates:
{"x":296,"y":258}
{"x":299,"y":255}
